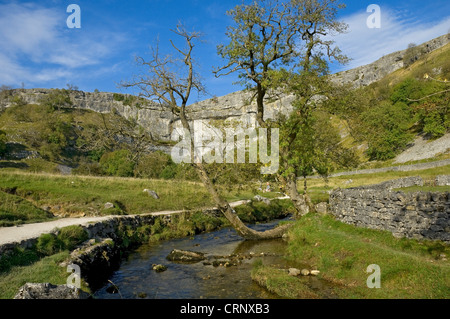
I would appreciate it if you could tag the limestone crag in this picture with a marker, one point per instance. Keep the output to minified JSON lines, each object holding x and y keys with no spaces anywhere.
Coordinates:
{"x":367,"y":74}
{"x":235,"y":108}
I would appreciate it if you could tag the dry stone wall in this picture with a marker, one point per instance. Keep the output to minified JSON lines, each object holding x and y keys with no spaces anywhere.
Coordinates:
{"x":420,"y":215}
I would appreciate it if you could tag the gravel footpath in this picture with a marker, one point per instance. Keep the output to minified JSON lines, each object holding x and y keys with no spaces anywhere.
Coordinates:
{"x":28,"y":231}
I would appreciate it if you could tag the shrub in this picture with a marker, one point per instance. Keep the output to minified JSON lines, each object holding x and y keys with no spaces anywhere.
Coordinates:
{"x":169,"y":171}
{"x":155,"y":165}
{"x":203,"y":222}
{"x":67,"y":239}
{"x":118,"y":97}
{"x":117,"y":163}
{"x":435,"y":124}
{"x":3,"y":140}
{"x":18,"y":101}
{"x":87,"y":168}
{"x":47,"y":244}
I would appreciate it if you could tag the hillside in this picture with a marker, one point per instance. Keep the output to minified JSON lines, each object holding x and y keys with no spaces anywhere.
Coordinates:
{"x":57,"y":130}
{"x":416,"y":99}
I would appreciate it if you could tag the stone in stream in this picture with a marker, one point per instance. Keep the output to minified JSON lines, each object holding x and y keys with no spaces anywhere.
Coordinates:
{"x":185,"y":256}
{"x":159,"y":268}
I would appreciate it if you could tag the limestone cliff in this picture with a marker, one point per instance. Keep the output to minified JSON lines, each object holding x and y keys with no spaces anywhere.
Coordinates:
{"x":235,"y":107}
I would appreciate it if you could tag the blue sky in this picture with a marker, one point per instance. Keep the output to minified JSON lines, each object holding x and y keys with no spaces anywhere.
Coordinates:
{"x":39,"y":50}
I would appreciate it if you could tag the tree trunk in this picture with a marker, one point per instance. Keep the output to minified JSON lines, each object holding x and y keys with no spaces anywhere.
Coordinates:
{"x":298,"y":200}
{"x":260,"y":105}
{"x":231,"y":215}
{"x":306,"y":195}
{"x":224,"y":207}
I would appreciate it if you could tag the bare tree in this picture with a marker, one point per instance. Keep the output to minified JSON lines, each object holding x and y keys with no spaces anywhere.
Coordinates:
{"x":171,"y":81}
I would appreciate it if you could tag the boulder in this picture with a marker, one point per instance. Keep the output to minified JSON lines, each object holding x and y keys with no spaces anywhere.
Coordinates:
{"x":185,"y":256}
{"x":442,"y":180}
{"x":159,"y":268}
{"x":305,"y":272}
{"x":294,"y":272}
{"x":109,"y":205}
{"x":322,"y":208}
{"x":151,"y":193}
{"x":49,"y":291}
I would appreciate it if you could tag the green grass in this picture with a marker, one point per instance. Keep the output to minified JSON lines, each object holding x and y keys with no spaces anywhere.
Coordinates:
{"x":409,"y":268}
{"x":77,"y":195}
{"x":15,"y":210}
{"x":46,"y":270}
{"x":280,"y":283}
{"x":424,"y":189}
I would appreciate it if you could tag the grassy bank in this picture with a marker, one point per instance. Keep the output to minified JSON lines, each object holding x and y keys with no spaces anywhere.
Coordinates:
{"x":40,"y":263}
{"x":15,"y":210}
{"x":78,"y":195}
{"x":342,"y":253}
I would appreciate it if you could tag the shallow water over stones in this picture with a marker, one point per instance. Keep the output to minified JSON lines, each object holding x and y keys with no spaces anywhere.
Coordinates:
{"x":204,"y":279}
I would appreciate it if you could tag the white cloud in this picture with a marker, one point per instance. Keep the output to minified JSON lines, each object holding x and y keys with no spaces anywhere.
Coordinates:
{"x":37,"y":46}
{"x":364,"y":45}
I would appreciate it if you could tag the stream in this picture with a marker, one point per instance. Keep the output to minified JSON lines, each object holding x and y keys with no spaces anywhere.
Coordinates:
{"x":135,"y":279}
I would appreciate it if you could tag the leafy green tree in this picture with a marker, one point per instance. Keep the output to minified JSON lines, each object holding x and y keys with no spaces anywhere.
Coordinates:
{"x":431,"y":105}
{"x":266,"y":35}
{"x":268,"y":42}
{"x":411,"y":55}
{"x":435,"y":123}
{"x":118,"y":163}
{"x":387,"y":129}
{"x":171,"y":81}
{"x":55,"y":136}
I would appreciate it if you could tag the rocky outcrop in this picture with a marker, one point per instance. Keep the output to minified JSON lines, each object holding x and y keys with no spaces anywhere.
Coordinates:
{"x":370,"y":73}
{"x":49,"y":291}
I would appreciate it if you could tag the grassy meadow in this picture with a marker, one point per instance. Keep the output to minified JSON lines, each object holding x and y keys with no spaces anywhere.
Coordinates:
{"x":410,"y":269}
{"x":24,"y":194}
